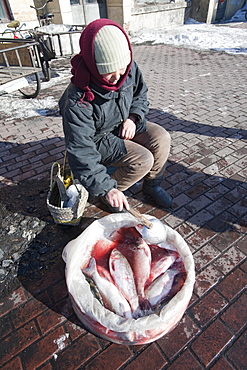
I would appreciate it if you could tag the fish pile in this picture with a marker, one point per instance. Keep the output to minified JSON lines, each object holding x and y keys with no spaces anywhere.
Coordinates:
{"x":132,"y":278}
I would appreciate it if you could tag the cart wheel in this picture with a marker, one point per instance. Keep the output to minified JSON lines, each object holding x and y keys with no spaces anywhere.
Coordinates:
{"x":46,"y":70}
{"x":33,"y":88}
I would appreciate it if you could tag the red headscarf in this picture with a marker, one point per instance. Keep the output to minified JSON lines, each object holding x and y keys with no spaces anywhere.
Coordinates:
{"x":84,"y":69}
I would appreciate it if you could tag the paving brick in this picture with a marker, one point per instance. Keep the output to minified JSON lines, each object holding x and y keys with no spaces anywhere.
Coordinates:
{"x":44,"y":297}
{"x":201,"y":218}
{"x":205,"y":255}
{"x":206,"y":279}
{"x":231,"y":316}
{"x":210,"y":159}
{"x":184,"y":230}
{"x":183,"y":214}
{"x":230,"y":170}
{"x":26,"y":312}
{"x":18,"y":341}
{"x":172,"y":343}
{"x":177,"y":178}
{"x":233,"y":284}
{"x":243,"y":266}
{"x":207,"y":309}
{"x":14,"y":364}
{"x":49,"y":320}
{"x":226,"y":161}
{"x":200,"y":237}
{"x":197,"y":190}
{"x":219,"y":205}
{"x":180,"y":200}
{"x":64,"y":308}
{"x":236,"y":194}
{"x":230,"y":183}
{"x":84,"y":348}
{"x":221,"y":222}
{"x":186,"y":361}
{"x":239,"y":209}
{"x":229,"y":260}
{"x":211,"y":342}
{"x":6,"y":325}
{"x":151,"y":358}
{"x":44,"y":349}
{"x":224,"y":240}
{"x":13,"y":300}
{"x":74,"y":328}
{"x":51,"y":277}
{"x":197,"y":167}
{"x":59,"y":291}
{"x":17,"y":165}
{"x":47,"y":366}
{"x":113,"y":356}
{"x":196,"y":178}
{"x":12,"y":174}
{"x":217,"y":191}
{"x":23,"y":176}
{"x":222,"y":364}
{"x":173,"y":221}
{"x":242,"y":244}
{"x":237,"y":353}
{"x":194,"y":158}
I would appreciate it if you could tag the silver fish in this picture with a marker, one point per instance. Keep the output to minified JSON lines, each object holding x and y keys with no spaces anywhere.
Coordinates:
{"x":161,"y":266}
{"x":123,"y":277}
{"x":160,"y":288}
{"x":111,"y":296}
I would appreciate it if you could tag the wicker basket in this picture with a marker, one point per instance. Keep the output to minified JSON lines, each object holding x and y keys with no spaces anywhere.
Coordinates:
{"x":68,"y":215}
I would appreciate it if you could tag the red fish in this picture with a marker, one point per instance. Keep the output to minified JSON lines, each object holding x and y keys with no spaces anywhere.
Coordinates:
{"x":138,"y":253}
{"x":161,"y":263}
{"x":111,"y":296}
{"x":123,"y":277}
{"x":130,"y":243}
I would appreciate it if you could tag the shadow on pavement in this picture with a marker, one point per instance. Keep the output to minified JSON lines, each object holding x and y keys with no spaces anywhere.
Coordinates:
{"x":173,"y":123}
{"x":34,"y":243}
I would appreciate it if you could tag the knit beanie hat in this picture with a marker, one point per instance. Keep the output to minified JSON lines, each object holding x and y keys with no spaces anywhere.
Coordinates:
{"x":111,"y":50}
{"x":104,"y":47}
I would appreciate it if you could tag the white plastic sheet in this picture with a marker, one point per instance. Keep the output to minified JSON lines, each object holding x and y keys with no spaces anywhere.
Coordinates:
{"x":100,"y":320}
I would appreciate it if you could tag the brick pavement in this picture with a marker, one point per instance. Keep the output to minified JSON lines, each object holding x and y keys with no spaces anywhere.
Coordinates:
{"x":201,"y":99}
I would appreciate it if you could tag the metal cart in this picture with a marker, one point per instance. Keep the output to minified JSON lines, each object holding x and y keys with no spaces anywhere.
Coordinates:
{"x":19,"y":67}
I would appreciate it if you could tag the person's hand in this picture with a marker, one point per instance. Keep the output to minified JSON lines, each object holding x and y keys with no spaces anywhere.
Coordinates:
{"x":127,"y":130}
{"x":117,"y":199}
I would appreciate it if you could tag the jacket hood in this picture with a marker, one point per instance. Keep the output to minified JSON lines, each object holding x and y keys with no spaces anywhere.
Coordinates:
{"x":84,"y":68}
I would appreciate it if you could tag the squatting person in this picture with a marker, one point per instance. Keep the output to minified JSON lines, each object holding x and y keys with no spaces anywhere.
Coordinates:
{"x":104,"y":112}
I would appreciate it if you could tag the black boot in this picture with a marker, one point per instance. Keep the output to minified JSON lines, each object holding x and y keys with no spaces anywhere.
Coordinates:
{"x":155,"y":191}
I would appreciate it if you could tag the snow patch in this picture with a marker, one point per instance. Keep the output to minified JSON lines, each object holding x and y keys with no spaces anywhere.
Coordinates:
{"x":195,"y":35}
{"x":60,"y":344}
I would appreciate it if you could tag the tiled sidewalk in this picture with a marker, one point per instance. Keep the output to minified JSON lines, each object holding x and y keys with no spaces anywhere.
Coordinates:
{"x":201,"y":99}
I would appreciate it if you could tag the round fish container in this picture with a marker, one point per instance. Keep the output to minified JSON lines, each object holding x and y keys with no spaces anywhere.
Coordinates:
{"x":105,"y":323}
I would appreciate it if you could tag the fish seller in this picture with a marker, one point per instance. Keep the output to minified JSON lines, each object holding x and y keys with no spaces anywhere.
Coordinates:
{"x":104,"y":112}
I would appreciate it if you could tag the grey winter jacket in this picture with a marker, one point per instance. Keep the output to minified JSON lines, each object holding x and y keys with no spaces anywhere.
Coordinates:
{"x":91,"y":129}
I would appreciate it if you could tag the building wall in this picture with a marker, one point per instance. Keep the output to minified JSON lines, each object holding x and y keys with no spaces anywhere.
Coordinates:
{"x":61,"y":10}
{"x":158,"y":15}
{"x":130,"y":14}
{"x":21,"y":10}
{"x":134,"y":17}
